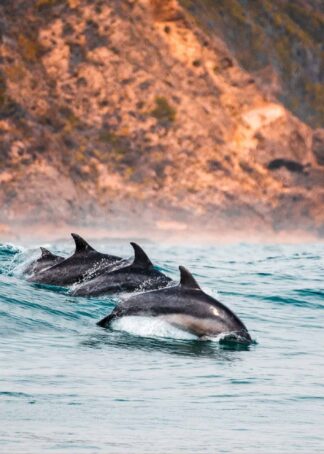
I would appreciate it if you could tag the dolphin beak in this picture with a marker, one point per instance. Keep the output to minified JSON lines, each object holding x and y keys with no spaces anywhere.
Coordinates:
{"x":238,"y":337}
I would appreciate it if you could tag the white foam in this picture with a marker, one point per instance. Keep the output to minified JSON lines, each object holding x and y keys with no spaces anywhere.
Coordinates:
{"x":11,"y":248}
{"x":150,"y":327}
{"x":22,"y":260}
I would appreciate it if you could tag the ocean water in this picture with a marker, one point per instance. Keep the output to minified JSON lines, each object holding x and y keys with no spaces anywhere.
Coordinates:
{"x":67,"y":385}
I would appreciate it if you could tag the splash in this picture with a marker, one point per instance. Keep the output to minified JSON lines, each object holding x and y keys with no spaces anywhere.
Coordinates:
{"x":150,"y":327}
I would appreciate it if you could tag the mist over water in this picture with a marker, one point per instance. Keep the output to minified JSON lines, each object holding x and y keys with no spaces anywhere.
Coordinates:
{"x":67,"y":385}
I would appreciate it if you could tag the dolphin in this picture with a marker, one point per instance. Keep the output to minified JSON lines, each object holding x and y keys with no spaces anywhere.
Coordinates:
{"x":185,"y":306}
{"x":73,"y":269}
{"x":140,"y":274}
{"x":46,"y":260}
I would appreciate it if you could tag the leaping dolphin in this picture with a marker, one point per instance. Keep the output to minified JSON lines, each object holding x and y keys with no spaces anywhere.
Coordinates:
{"x":46,"y":260}
{"x":73,"y":269}
{"x":140,"y":274}
{"x":185,"y":306}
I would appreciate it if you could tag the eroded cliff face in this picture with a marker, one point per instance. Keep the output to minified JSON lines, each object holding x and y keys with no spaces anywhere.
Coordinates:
{"x":280,"y":41}
{"x":127,"y":110}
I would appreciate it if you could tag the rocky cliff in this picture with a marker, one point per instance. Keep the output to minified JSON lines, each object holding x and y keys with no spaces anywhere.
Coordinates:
{"x":280,"y":42}
{"x":130,"y":111}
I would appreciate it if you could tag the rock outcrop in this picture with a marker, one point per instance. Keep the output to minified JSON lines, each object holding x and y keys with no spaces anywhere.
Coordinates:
{"x":318,"y":146}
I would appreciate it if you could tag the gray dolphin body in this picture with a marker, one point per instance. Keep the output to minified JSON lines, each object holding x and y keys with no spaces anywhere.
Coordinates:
{"x":73,"y":269}
{"x":46,"y":260}
{"x":140,"y":274}
{"x":185,"y":306}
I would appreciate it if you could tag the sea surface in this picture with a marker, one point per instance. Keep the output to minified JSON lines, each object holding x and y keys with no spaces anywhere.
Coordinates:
{"x":67,"y":385}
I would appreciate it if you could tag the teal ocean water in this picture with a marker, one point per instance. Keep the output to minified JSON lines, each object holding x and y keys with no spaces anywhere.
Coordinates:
{"x":67,"y":385}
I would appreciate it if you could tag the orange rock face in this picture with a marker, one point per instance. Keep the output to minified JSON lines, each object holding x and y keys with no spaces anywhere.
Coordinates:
{"x":126,"y":110}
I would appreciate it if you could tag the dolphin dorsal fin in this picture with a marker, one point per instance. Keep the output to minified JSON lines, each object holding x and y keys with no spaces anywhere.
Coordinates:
{"x":140,"y":257}
{"x":187,"y":280}
{"x":46,"y":254}
{"x":80,"y":244}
